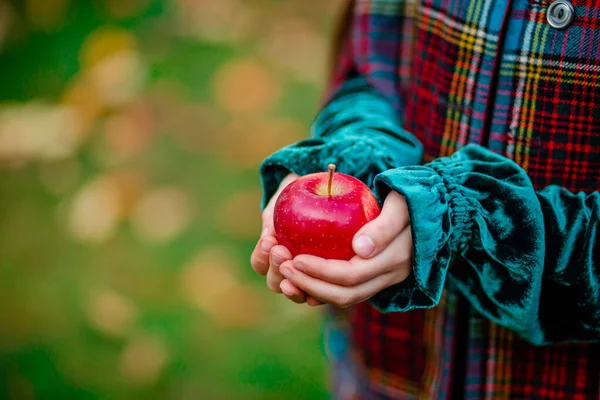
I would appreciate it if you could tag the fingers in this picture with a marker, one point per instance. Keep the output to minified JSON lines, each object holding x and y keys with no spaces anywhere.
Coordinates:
{"x":260,"y":256}
{"x":274,"y":279}
{"x":331,"y":293}
{"x":394,"y":258}
{"x":292,"y":292}
{"x":340,"y":272}
{"x":279,"y":254}
{"x":276,"y":282}
{"x":376,"y":235}
{"x":311,"y":301}
{"x":384,"y":254}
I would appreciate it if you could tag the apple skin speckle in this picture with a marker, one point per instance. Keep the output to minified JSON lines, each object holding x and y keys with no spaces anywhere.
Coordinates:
{"x":309,"y":221}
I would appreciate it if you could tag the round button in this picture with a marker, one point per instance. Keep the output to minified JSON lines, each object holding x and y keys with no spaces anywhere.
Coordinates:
{"x":560,"y":14}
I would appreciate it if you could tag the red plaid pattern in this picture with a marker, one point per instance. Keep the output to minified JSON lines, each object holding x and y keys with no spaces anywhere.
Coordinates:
{"x":497,"y":74}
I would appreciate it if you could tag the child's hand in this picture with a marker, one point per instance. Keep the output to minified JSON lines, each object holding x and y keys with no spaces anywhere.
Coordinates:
{"x":384,"y":258}
{"x":268,"y":255}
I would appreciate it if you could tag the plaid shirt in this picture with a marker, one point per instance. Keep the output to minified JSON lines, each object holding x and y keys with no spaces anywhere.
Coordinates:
{"x":495,"y":73}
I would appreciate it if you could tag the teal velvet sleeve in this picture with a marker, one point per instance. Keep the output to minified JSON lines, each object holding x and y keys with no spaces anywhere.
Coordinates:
{"x":529,"y":259}
{"x":358,"y":130}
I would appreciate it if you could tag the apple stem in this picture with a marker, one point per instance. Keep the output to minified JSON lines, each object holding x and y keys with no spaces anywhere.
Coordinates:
{"x":331,"y":168}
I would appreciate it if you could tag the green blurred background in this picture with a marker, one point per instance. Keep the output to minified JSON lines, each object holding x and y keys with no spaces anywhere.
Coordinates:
{"x":130,"y":136}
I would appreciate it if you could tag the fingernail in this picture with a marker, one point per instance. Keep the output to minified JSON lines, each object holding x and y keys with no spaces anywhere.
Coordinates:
{"x":264,"y":232}
{"x":265,"y":246}
{"x":299,"y":266}
{"x":287,"y":272}
{"x":364,"y":246}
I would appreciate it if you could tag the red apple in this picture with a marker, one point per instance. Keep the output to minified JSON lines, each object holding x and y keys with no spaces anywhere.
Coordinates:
{"x":320,"y":213}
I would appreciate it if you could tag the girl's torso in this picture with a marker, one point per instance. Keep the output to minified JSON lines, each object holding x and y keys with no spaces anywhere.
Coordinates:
{"x":506,"y":75}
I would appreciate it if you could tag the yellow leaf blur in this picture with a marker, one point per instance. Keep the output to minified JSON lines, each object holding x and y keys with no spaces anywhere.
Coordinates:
{"x":119,"y":77}
{"x":210,"y":283}
{"x":34,"y":131}
{"x":207,"y":275}
{"x":105,"y":42}
{"x":161,"y":214}
{"x":245,"y":85}
{"x":81,"y":94}
{"x":143,"y":359}
{"x":111,"y":313}
{"x":128,"y":133}
{"x":216,"y":21}
{"x":96,"y":210}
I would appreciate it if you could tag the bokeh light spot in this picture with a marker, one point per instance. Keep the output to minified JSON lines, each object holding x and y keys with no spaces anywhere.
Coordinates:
{"x":127,"y":134}
{"x":97,"y":208}
{"x":143,"y":359}
{"x":105,"y":42}
{"x":161,"y":214}
{"x":119,"y":78}
{"x":245,"y":85}
{"x":222,"y":21}
{"x":111,"y":313}
{"x":95,"y":211}
{"x":36,"y":130}
{"x":210,"y":283}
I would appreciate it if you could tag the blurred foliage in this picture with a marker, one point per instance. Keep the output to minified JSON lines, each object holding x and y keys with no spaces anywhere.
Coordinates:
{"x":130,"y":136}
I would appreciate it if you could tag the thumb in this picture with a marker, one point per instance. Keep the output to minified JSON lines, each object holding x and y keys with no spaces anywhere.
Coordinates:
{"x":267,"y":214}
{"x":376,"y":235}
{"x":267,"y":221}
